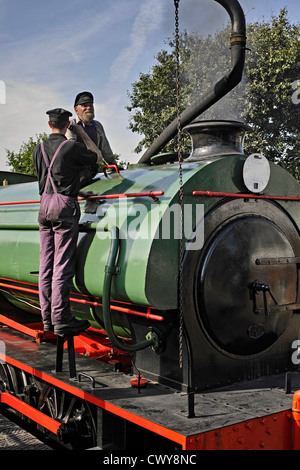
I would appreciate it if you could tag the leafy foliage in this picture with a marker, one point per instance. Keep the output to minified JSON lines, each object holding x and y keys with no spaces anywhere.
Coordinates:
{"x":153,"y":100}
{"x":22,"y":162}
{"x":263,"y":99}
{"x":273,"y":67}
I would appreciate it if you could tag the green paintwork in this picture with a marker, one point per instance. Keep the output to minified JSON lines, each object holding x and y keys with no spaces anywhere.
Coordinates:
{"x":7,"y":177}
{"x":149,"y":264}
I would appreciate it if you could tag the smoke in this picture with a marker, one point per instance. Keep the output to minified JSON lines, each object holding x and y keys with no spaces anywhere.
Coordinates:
{"x":204,"y":17}
{"x":208,"y":16}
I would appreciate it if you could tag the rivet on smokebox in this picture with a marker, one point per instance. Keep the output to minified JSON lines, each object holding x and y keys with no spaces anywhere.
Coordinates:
{"x":138,"y":382}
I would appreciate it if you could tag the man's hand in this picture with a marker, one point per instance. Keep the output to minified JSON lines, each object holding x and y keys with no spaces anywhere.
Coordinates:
{"x":79,"y":131}
{"x":91,"y":205}
{"x":86,"y":194}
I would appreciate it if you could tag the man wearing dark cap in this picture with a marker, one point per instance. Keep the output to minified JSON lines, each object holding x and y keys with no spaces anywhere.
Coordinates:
{"x":58,"y":162}
{"x":84,"y":108}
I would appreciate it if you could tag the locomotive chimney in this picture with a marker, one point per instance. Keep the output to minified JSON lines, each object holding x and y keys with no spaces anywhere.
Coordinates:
{"x":216,"y":138}
{"x":220,"y":89}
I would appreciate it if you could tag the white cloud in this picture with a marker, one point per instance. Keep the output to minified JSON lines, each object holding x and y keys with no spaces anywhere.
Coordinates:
{"x":49,"y":73}
{"x":112,"y":111}
{"x":24,"y":116}
{"x":21,"y":117}
{"x":43,"y":66}
{"x":144,"y":24}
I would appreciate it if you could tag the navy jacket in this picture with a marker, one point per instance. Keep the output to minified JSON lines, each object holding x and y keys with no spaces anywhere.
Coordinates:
{"x":72,"y":158}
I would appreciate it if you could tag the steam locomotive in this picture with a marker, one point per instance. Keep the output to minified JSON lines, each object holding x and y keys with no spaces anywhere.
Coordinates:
{"x":188,"y":271}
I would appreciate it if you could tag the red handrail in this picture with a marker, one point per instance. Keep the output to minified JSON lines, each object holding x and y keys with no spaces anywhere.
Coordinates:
{"x":19,"y":202}
{"x":148,"y":315}
{"x":152,"y":194}
{"x":111,"y":166}
{"x":244,"y":196}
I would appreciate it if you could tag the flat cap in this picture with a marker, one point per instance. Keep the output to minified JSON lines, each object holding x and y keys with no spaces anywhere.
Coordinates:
{"x":58,"y":114}
{"x":83,"y":97}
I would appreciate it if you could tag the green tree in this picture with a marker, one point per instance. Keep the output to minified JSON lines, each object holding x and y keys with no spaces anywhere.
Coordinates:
{"x":21,"y":161}
{"x":203,"y":61}
{"x":153,"y":100}
{"x":120,"y":163}
{"x":272,"y":68}
{"x":263,"y":99}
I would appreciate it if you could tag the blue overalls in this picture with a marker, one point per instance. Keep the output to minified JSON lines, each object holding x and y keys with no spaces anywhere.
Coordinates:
{"x":58,"y":224}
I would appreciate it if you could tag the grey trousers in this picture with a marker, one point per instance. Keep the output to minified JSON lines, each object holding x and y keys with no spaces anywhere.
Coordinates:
{"x":58,"y":225}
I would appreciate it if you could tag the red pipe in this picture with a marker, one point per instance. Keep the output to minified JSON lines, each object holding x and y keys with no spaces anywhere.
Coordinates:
{"x":152,"y":194}
{"x":244,"y":196}
{"x":23,"y":289}
{"x":88,"y":302}
{"x":121,"y":309}
{"x":19,"y":202}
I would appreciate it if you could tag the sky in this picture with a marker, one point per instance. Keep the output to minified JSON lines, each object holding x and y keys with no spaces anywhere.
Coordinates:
{"x":50,"y":51}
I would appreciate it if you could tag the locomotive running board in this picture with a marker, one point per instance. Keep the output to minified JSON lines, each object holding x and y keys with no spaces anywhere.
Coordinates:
{"x":251,"y":416}
{"x":103,"y":392}
{"x":37,"y":416}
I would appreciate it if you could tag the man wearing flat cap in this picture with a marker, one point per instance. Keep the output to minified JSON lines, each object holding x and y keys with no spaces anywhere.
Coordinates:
{"x":84,"y":108}
{"x":58,"y":162}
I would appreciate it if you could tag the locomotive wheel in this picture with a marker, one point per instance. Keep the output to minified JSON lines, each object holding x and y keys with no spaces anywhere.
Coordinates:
{"x":79,"y":429}
{"x":13,"y":380}
{"x":8,"y":379}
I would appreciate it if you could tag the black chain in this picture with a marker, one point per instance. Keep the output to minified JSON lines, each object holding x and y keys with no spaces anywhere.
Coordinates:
{"x":179,"y":150}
